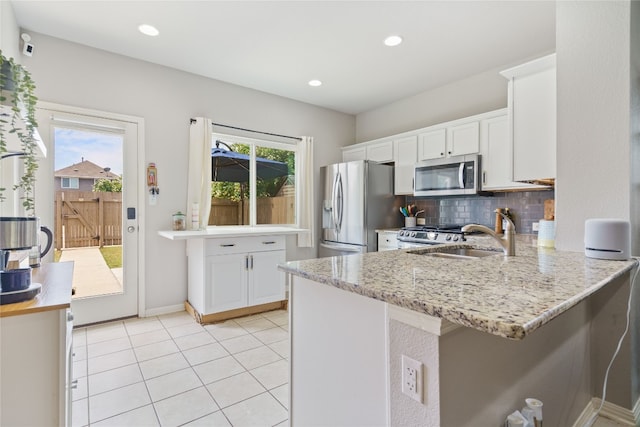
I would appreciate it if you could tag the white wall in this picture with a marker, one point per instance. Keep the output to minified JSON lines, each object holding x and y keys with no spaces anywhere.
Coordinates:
{"x":9,"y":32}
{"x":80,"y":76}
{"x":474,"y":95}
{"x":593,"y":135}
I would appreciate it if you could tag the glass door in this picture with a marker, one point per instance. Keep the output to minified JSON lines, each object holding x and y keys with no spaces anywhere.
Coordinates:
{"x":95,"y":165}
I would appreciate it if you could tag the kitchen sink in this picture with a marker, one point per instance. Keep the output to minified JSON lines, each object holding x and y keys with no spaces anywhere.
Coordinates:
{"x":458,"y":253}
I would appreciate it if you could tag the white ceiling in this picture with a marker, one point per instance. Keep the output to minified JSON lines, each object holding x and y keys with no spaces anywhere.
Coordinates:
{"x":278,"y":46}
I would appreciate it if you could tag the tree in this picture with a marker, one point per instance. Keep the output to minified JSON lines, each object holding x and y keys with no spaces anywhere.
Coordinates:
{"x":265,"y":188}
{"x":108,"y":185}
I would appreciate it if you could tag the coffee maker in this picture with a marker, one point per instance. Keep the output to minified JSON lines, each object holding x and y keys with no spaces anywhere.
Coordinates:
{"x":21,"y":234}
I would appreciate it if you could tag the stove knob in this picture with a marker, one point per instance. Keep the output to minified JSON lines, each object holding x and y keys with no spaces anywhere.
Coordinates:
{"x":400,"y":233}
{"x":448,"y":237}
{"x":455,"y":239}
{"x":413,"y":234}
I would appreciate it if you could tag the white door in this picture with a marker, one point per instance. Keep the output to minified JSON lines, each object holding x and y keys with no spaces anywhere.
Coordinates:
{"x":106,"y":287}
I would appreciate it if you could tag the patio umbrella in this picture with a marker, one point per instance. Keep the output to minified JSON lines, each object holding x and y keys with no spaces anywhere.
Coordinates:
{"x":230,"y":166}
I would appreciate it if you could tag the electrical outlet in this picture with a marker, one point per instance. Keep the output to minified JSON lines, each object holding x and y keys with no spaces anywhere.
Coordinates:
{"x":421,"y":221}
{"x":535,"y":226}
{"x":412,"y":378}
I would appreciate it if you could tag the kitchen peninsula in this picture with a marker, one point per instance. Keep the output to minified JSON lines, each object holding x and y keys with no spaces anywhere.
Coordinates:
{"x":232,"y":270}
{"x":489,"y":332}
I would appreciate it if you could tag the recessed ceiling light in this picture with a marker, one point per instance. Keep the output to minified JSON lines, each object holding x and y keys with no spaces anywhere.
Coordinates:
{"x":393,"y":40}
{"x":148,"y":30}
{"x":315,"y":83}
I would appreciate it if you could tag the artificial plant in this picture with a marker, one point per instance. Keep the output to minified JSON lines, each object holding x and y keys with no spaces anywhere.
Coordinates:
{"x":18,"y":117}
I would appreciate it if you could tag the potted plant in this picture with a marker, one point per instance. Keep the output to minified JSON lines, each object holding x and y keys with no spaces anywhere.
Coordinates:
{"x":18,"y":120}
{"x":18,"y":138}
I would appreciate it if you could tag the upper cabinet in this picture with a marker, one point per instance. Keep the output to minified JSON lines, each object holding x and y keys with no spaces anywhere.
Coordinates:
{"x":405,"y":150}
{"x":532,"y":119}
{"x":455,"y":140}
{"x":380,"y":151}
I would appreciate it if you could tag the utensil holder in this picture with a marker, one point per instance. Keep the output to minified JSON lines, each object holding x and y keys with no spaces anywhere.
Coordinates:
{"x":410,"y":221}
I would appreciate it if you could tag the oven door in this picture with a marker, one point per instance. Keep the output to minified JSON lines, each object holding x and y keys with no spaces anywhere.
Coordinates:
{"x":452,"y":176}
{"x":408,"y":245}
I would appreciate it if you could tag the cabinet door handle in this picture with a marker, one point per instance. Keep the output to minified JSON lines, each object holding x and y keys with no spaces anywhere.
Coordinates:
{"x":227,"y":245}
{"x":252,"y":262}
{"x":484,"y":177}
{"x":270,"y":242}
{"x":246,"y":262}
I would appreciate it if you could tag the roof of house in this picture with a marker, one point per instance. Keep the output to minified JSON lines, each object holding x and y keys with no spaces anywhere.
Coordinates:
{"x":85,"y":169}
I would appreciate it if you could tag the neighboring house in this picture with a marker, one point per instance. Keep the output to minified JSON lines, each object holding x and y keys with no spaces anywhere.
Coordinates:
{"x":81,"y":176}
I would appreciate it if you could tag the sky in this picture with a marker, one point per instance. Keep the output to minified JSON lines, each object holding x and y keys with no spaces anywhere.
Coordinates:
{"x":103,"y":149}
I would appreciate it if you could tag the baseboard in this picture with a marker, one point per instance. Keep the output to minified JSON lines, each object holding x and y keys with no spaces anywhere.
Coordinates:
{"x":610,"y":411}
{"x":163,"y":310}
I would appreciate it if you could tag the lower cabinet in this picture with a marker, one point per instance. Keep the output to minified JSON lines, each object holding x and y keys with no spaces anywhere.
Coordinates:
{"x":234,"y":273}
{"x":36,"y":369}
{"x":387,"y":240}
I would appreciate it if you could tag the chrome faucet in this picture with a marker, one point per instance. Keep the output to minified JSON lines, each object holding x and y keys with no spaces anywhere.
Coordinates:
{"x":508,"y":241}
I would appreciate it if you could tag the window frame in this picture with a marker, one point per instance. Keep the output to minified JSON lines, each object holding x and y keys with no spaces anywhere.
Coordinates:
{"x":69,"y":187}
{"x":293,"y":146}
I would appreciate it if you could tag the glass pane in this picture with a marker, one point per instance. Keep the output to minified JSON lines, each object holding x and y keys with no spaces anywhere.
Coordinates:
{"x":230,"y":184}
{"x":88,"y":209}
{"x":276,"y":193}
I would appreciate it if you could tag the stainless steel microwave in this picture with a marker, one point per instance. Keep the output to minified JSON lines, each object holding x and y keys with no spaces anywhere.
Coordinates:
{"x":452,"y":176}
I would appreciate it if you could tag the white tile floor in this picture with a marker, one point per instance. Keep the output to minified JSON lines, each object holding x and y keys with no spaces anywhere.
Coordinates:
{"x":170,"y":371}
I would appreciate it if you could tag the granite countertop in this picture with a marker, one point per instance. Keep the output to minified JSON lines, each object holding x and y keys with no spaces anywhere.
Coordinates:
{"x":229,"y":231}
{"x":505,"y":296}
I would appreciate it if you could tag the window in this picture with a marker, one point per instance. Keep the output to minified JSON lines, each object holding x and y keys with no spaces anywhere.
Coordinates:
{"x":71,"y":183}
{"x":253,"y":182}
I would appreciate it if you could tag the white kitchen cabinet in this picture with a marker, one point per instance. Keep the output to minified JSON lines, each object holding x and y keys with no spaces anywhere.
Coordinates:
{"x":36,"y":353}
{"x":405,"y":156}
{"x":350,"y":154}
{"x":236,"y":273}
{"x":497,"y":158}
{"x":380,"y":151}
{"x":455,"y":140}
{"x":532,"y":114}
{"x":432,"y":144}
{"x":387,"y":240}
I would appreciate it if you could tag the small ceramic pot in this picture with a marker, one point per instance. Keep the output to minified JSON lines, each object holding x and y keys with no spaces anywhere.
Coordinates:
{"x":15,"y":280}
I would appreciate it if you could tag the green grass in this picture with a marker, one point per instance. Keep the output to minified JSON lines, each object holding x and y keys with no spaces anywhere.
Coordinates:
{"x":112,"y":255}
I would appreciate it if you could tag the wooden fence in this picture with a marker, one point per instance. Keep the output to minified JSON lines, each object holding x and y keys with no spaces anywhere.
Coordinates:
{"x":270,"y":210}
{"x":87,"y":218}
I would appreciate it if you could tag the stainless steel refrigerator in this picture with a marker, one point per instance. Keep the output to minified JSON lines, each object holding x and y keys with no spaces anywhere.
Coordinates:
{"x":357,"y":199}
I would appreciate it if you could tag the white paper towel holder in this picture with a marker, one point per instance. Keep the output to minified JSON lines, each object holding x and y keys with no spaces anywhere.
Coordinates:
{"x":607,"y":238}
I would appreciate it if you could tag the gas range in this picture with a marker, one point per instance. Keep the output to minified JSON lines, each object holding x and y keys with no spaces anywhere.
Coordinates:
{"x":431,"y":235}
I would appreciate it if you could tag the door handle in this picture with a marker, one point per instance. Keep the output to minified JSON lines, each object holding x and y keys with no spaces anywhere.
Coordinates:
{"x":131,"y":229}
{"x":251,"y":261}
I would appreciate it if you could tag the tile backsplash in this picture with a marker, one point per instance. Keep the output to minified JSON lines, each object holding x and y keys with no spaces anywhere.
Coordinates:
{"x":527,"y":207}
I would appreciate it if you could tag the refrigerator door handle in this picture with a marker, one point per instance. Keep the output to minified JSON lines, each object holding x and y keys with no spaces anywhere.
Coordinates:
{"x":336,"y":214}
{"x":343,"y":248}
{"x":340,"y":201}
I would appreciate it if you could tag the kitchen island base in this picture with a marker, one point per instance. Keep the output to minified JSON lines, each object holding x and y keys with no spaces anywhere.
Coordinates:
{"x":204,"y":319}
{"x":346,"y":354}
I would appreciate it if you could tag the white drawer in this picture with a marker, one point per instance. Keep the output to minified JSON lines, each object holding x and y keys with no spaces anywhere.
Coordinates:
{"x":235,"y":245}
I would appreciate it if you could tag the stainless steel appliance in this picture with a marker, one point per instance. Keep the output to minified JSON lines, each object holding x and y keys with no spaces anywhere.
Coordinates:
{"x":411,"y":237}
{"x":21,"y":233}
{"x":459,"y":175}
{"x":357,"y":199}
